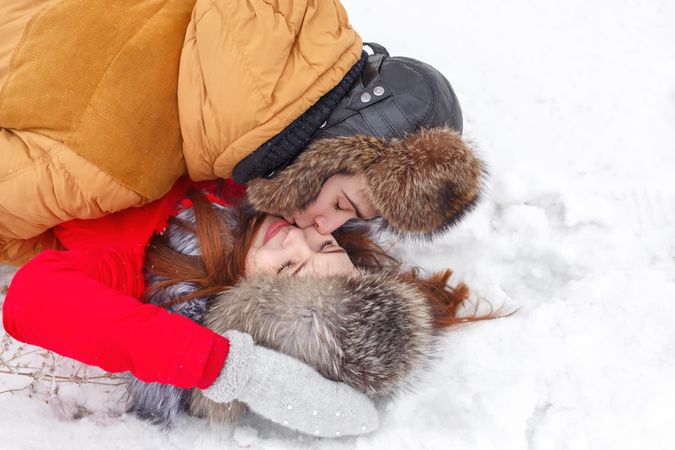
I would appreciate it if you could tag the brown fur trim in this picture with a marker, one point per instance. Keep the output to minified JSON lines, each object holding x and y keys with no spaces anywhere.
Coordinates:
{"x":422,"y":183}
{"x":426,"y":182}
{"x":300,"y":183}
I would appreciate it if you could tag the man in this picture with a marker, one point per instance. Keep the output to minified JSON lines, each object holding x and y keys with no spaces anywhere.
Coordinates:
{"x":104,"y":105}
{"x":391,"y":148}
{"x":87,"y":129}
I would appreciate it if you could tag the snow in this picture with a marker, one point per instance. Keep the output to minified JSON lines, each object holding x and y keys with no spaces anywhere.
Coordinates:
{"x":573,"y":105}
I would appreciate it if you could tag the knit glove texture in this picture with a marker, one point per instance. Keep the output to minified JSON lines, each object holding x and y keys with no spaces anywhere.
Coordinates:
{"x":289,"y":392}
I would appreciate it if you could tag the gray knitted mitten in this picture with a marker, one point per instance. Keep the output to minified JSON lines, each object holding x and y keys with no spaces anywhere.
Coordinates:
{"x":289,"y":392}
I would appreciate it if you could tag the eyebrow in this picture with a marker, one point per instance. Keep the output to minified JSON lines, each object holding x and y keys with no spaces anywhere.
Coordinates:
{"x":301,"y":266}
{"x":359,"y":214}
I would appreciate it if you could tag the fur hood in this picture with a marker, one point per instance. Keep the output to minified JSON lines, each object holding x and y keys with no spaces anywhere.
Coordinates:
{"x":420,"y":185}
{"x":369,"y":330}
{"x":372,"y":331}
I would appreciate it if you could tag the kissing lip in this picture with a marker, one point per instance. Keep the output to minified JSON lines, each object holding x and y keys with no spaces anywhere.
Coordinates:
{"x":274,"y":228}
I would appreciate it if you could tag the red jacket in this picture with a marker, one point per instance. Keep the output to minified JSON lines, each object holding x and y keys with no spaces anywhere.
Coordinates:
{"x":82,"y":302}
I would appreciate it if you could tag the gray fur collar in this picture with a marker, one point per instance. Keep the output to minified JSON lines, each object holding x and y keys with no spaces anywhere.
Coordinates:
{"x":161,"y":403}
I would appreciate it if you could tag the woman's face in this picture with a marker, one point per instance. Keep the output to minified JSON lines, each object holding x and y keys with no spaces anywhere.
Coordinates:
{"x":283,"y":249}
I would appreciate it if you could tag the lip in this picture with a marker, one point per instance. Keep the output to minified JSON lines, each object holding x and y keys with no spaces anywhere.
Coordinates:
{"x":274,"y":228}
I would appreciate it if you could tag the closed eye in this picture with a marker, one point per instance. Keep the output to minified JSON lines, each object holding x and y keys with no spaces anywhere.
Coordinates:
{"x":337,"y":249}
{"x":287,"y":263}
{"x":345,"y":206}
{"x":325,"y":244}
{"x":354,"y":207}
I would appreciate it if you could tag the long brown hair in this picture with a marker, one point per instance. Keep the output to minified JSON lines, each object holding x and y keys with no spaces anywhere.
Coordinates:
{"x":445,"y":300}
{"x":223,"y":249}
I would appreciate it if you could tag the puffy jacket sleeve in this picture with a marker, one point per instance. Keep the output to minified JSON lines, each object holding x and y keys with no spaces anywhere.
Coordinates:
{"x":82,"y":303}
{"x":249,"y":68}
{"x":42,"y":184}
{"x":18,"y":251}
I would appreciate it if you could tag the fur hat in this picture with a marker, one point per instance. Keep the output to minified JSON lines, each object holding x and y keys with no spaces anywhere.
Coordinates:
{"x":369,"y":330}
{"x":422,"y":183}
{"x":400,"y":125}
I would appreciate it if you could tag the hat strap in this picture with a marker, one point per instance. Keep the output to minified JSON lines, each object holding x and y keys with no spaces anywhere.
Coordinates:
{"x":377,"y":48}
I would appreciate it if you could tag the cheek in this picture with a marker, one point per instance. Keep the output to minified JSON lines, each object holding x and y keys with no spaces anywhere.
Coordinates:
{"x":323,"y":205}
{"x":248,"y":265}
{"x":313,"y":210}
{"x":347,"y":265}
{"x":339,"y":266}
{"x":262,"y":262}
{"x":252,"y":264}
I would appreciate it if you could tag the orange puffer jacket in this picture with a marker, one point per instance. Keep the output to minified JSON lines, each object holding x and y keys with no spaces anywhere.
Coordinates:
{"x":105,"y":103}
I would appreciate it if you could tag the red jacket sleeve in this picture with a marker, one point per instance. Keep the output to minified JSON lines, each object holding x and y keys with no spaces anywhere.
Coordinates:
{"x":132,"y":227}
{"x":82,"y":303}
{"x":74,"y":303}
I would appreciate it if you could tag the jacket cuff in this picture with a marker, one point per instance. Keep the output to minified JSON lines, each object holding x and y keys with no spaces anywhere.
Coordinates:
{"x":215,"y":361}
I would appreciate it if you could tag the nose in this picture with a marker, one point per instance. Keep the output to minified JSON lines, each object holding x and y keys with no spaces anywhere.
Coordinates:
{"x":302,"y":221}
{"x":321,"y":225}
{"x":326,"y":225}
{"x":295,"y":240}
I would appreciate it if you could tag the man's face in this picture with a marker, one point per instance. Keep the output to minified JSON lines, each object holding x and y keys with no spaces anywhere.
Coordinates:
{"x":342,"y":197}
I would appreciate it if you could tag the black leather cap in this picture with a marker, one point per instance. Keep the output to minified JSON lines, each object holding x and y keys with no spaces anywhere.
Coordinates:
{"x":394,"y":96}
{"x":279,"y":151}
{"x":381,"y":96}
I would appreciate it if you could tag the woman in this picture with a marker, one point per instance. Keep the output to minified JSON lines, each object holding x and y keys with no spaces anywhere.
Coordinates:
{"x":356,"y":317}
{"x":82,"y":303}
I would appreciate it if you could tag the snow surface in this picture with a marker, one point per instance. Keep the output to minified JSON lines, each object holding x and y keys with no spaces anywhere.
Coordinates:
{"x":573,"y":106}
